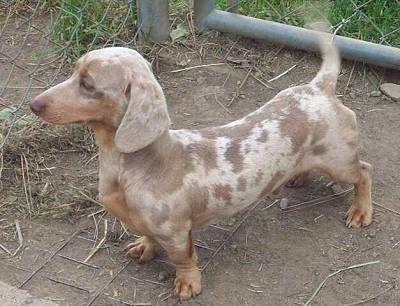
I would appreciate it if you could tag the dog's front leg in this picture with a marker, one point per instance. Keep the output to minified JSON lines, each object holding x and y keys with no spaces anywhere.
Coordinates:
{"x":144,"y":248}
{"x":182,"y":254}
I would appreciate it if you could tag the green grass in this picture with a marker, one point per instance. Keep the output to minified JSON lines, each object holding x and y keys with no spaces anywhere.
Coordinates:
{"x":84,"y":25}
{"x":376,"y":21}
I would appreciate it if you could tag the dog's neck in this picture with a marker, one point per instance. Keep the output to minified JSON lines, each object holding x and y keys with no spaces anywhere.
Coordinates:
{"x":104,"y":135}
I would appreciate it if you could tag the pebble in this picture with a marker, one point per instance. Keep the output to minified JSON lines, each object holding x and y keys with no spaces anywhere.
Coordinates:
{"x":163,"y":276}
{"x":391,"y":90}
{"x":375,"y":93}
{"x":336,"y":189}
{"x":284,"y":203}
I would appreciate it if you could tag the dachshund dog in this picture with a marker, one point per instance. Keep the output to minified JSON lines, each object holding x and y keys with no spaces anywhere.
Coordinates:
{"x":163,"y":183}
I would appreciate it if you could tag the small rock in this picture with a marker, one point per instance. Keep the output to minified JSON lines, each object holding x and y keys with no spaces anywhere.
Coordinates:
{"x":375,"y":93}
{"x":284,"y":203}
{"x":352,"y":95}
{"x":163,"y":276}
{"x":391,"y":90}
{"x":336,"y":189}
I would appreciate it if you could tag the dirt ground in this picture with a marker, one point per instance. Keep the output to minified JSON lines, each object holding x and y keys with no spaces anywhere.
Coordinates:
{"x":266,"y":257}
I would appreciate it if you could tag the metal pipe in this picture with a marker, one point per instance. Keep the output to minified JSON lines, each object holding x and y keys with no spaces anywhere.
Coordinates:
{"x":153,"y":19}
{"x":291,"y":36}
{"x":202,"y":9}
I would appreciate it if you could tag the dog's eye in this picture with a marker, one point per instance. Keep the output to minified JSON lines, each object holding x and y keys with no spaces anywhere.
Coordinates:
{"x":85,"y":85}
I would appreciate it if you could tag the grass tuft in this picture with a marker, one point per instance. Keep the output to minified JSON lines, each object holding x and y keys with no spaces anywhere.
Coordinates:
{"x":376,"y":21}
{"x":92,"y":24}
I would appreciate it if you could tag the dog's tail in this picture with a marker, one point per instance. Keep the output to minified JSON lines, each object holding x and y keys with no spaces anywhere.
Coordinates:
{"x":326,"y":78}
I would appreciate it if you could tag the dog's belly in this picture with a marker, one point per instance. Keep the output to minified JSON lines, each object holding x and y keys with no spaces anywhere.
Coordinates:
{"x":229,"y":192}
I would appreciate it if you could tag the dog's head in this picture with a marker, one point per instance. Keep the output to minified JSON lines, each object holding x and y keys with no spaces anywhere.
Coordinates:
{"x":112,"y":86}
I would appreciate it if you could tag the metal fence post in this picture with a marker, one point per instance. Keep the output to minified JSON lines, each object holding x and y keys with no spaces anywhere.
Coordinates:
{"x":153,"y":19}
{"x":202,"y":9}
{"x":208,"y":17}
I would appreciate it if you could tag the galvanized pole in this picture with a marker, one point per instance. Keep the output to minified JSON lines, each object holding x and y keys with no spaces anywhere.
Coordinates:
{"x":295,"y":37}
{"x":153,"y":19}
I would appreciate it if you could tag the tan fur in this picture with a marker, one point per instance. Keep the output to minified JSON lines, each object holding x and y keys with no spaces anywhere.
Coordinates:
{"x":164,"y":183}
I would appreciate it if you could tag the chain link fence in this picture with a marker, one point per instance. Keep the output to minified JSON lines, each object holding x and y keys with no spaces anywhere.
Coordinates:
{"x":373,"y":21}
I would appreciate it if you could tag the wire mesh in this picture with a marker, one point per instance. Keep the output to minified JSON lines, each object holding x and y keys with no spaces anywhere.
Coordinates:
{"x":374,"y":21}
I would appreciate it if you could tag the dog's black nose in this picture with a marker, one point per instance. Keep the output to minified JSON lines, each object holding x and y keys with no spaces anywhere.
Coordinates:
{"x":36,"y":106}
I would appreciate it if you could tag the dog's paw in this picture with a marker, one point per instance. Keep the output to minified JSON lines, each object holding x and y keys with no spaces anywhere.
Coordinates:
{"x":143,"y":248}
{"x":358,"y":216}
{"x":297,"y":181}
{"x":188,"y":284}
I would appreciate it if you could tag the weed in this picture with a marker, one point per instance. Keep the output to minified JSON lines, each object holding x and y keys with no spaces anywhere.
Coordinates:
{"x":87,"y":25}
{"x":376,"y":21}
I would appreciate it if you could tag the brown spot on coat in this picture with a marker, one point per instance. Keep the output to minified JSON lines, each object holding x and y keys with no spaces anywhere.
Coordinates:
{"x":206,"y":151}
{"x":319,"y":149}
{"x":259,"y":177}
{"x":223,"y":192}
{"x":319,"y":132}
{"x":159,"y":167}
{"x":198,"y":198}
{"x":352,"y":144}
{"x":242,"y":184}
{"x":234,"y":156}
{"x":296,"y":127}
{"x":263,"y":137}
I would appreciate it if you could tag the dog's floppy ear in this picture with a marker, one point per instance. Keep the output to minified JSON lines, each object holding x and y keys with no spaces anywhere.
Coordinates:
{"x":145,"y":118}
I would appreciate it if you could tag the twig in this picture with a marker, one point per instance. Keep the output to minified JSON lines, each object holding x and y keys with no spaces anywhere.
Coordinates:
{"x":20,"y":241}
{"x":220,"y":104}
{"x":20,"y":237}
{"x":370,"y":298}
{"x":78,"y":261}
{"x":66,"y":284}
{"x":219,"y":227}
{"x":261,"y":82}
{"x":333,"y":274}
{"x":318,"y":201}
{"x":270,"y":205}
{"x":348,"y":81}
{"x":23,"y":87}
{"x":282,"y":74}
{"x":387,"y":208}
{"x":96,"y":213}
{"x":5,"y":249}
{"x":127,"y":303}
{"x":25,"y":186}
{"x":86,"y":196}
{"x":230,"y":236}
{"x":48,"y":259}
{"x":240,"y":87}
{"x":195,"y":67}
{"x":147,"y":281}
{"x":107,"y":284}
{"x":255,"y":291}
{"x":101,"y":242}
{"x":203,"y":245}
